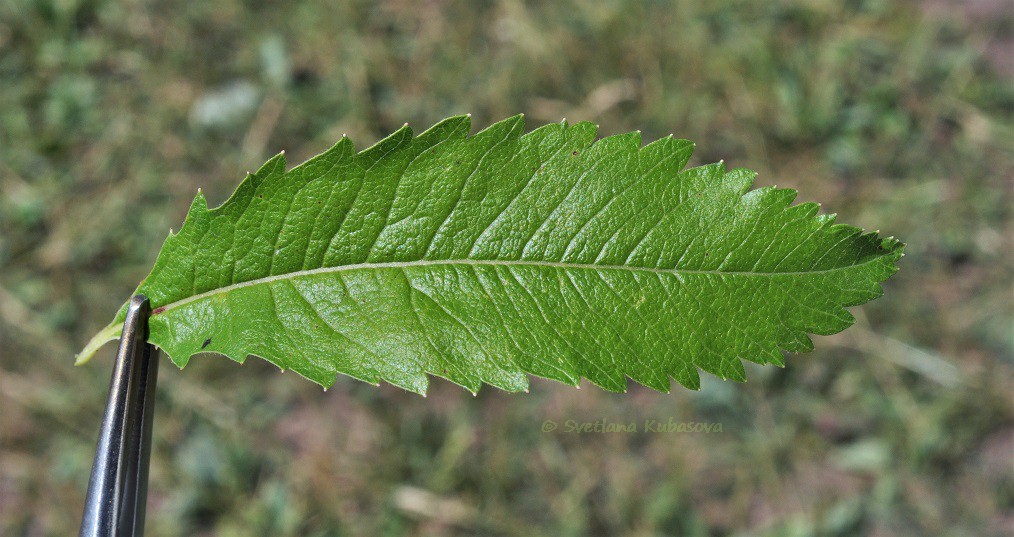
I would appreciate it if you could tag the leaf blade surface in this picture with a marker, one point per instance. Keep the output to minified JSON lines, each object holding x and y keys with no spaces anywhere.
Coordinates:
{"x":491,"y":257}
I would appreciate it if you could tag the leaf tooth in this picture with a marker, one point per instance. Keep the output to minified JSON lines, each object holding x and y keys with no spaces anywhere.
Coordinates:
{"x":738,"y":179}
{"x":688,"y":376}
{"x":629,"y":142}
{"x":583,"y":134}
{"x":452,"y":128}
{"x":771,"y":355}
{"x":804,"y":210}
{"x":397,"y":139}
{"x":417,"y":384}
{"x":662,"y":157}
{"x":544,"y":131}
{"x":514,"y":125}
{"x":273,"y":168}
{"x":197,"y":216}
{"x":342,"y":151}
{"x":788,"y":196}
{"x":656,"y":379}
{"x":799,"y":343}
{"x":200,"y":203}
{"x":715,"y":367}
{"x":735,"y":370}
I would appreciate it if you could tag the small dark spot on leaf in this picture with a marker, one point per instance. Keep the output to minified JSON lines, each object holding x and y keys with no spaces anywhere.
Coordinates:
{"x":706,"y":254}
{"x":457,"y":162}
{"x":574,"y":153}
{"x":206,"y":343}
{"x":261,"y":196}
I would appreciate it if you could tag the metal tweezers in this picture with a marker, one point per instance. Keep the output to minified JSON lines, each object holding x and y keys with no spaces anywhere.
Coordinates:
{"x":118,"y":487}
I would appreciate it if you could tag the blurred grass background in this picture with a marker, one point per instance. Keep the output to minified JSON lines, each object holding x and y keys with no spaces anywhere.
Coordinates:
{"x":896,"y":115}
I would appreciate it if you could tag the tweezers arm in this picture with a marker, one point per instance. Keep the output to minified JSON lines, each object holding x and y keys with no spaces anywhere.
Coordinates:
{"x":117,"y":488}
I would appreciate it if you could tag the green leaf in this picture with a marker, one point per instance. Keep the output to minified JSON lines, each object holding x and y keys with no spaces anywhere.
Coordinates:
{"x":488,"y":258}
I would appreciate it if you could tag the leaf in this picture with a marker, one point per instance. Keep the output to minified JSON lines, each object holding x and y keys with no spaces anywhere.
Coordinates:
{"x":488,"y":258}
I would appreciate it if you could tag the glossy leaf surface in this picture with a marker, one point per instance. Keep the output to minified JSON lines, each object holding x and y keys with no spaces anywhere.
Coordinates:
{"x":491,"y":257}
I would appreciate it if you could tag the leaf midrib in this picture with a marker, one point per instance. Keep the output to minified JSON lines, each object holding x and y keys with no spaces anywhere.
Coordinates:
{"x":489,"y":262}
